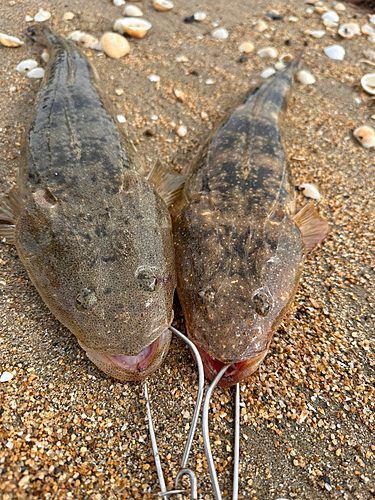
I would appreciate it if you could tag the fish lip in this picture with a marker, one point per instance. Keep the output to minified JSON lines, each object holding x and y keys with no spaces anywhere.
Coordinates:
{"x":132,"y":364}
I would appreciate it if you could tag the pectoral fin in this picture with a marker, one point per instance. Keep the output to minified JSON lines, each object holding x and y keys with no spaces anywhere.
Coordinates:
{"x":313,"y":227}
{"x":10,"y":209}
{"x":167,"y":183}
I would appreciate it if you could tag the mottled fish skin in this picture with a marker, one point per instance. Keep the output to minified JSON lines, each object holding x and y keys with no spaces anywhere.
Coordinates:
{"x":239,"y":253}
{"x":94,"y":236}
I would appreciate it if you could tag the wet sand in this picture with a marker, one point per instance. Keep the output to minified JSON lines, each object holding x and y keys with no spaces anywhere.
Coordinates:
{"x":67,"y":431}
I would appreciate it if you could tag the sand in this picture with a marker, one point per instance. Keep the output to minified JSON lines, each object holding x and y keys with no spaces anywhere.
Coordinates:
{"x":67,"y":431}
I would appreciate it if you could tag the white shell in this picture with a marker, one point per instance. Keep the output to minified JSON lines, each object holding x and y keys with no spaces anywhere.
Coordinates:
{"x":114,"y":45}
{"x":336,"y":52}
{"x":261,"y":26}
{"x":305,"y":77}
{"x":121,"y":118}
{"x":26,"y":65}
{"x":163,"y":5}
{"x":119,"y":3}
{"x":199,"y":16}
{"x":36,"y":73}
{"x":28,"y":18}
{"x":220,"y":33}
{"x":154,"y":78}
{"x":181,"y":131}
{"x":368,"y":30}
{"x":42,"y":16}
{"x":68,"y":16}
{"x":132,"y":11}
{"x":368,"y":83}
{"x":267,"y":53}
{"x":279,"y":66}
{"x":45,"y":55}
{"x":340,"y":7}
{"x":348,"y":30}
{"x":266,"y":73}
{"x":315,"y":33}
{"x":310,"y":191}
{"x":331,"y":16}
{"x":372,"y":19}
{"x":5,"y":377}
{"x":76,"y":35}
{"x":246,"y":47}
{"x":10,"y":41}
{"x":365,"y":136}
{"x":133,"y":26}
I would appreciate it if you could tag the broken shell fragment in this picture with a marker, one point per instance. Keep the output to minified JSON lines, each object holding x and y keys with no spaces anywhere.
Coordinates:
{"x":10,"y":41}
{"x":348,"y":30}
{"x":266,"y":73}
{"x":305,"y":77}
{"x":181,"y":131}
{"x":42,"y":16}
{"x":45,"y":55}
{"x":132,"y":11}
{"x":267,"y":53}
{"x":119,"y":3}
{"x":132,"y":26}
{"x":310,"y":191}
{"x":246,"y":47}
{"x":163,"y":5}
{"x":68,"y":16}
{"x":220,"y":33}
{"x":279,"y":66}
{"x":26,"y":65}
{"x":36,"y":73}
{"x":335,"y":52}
{"x":340,"y":7}
{"x":368,"y":30}
{"x":315,"y":33}
{"x":368,"y":83}
{"x":331,"y":16}
{"x":114,"y":45}
{"x":365,"y":136}
{"x":199,"y":16}
{"x":261,"y":26}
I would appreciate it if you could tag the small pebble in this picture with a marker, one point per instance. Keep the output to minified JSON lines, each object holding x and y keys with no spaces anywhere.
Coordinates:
{"x":274,"y":17}
{"x":68,"y":16}
{"x":189,"y":19}
{"x":243,"y":59}
{"x":261,"y":26}
{"x":28,"y":19}
{"x":154,"y":78}
{"x":118,"y":3}
{"x":45,"y":55}
{"x":246,"y":47}
{"x":199,"y":16}
{"x":121,"y":118}
{"x":209,"y":81}
{"x":5,"y":377}
{"x":220,"y":33}
{"x":181,"y":131}
{"x":42,"y":16}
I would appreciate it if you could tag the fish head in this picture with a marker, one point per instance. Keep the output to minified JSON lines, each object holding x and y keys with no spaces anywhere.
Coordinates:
{"x":235,"y":285}
{"x":106,"y":270}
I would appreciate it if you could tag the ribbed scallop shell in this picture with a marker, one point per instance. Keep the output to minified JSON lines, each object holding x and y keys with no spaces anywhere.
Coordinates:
{"x":115,"y":45}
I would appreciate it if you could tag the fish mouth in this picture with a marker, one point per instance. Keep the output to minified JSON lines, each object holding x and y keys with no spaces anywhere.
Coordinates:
{"x":236,"y":372}
{"x":137,"y":367}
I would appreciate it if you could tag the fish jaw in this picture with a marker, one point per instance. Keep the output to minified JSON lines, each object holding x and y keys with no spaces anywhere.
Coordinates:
{"x":236,"y":372}
{"x":134,"y":368}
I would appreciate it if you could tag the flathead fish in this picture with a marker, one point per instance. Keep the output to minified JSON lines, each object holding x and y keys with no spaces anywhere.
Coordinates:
{"x":93,"y":233}
{"x":239,"y":244}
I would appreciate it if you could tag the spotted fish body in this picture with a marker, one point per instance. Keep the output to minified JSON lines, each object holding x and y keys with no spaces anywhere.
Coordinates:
{"x":92,"y":232}
{"x":239,"y":246}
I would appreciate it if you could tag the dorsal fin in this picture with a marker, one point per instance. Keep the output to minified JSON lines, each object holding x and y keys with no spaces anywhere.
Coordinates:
{"x":166,"y":182}
{"x":314,"y":228}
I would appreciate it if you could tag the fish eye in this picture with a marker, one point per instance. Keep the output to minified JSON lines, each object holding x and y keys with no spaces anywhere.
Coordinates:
{"x":261,"y":303}
{"x":86,"y":299}
{"x":206,"y":294}
{"x":147,"y":282}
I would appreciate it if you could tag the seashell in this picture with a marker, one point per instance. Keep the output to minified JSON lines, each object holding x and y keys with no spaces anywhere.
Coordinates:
{"x":246,"y":47}
{"x":261,"y":26}
{"x":181,"y":131}
{"x":310,"y":191}
{"x":365,"y":136}
{"x":36,"y":73}
{"x":279,"y":66}
{"x":6,"y":376}
{"x":10,"y":41}
{"x":132,"y":11}
{"x":267,"y":53}
{"x":315,"y":33}
{"x":210,"y":81}
{"x":335,"y":52}
{"x":321,"y":9}
{"x":199,"y":16}
{"x":42,"y":16}
{"x":45,"y":55}
{"x":368,"y":83}
{"x":28,"y":18}
{"x":119,"y":3}
{"x":339,"y":7}
{"x":266,"y":73}
{"x":132,"y":26}
{"x":114,"y":45}
{"x":154,"y":78}
{"x":368,"y":30}
{"x":68,"y":16}
{"x":220,"y":33}
{"x":76,"y":35}
{"x":293,"y":19}
{"x":329,"y":24}
{"x":305,"y":77}
{"x":372,"y":19}
{"x":121,"y":118}
{"x":26,"y":65}
{"x":348,"y":30}
{"x":285,"y":58}
{"x":90,"y":42}
{"x":163,"y":5}
{"x":331,"y":16}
